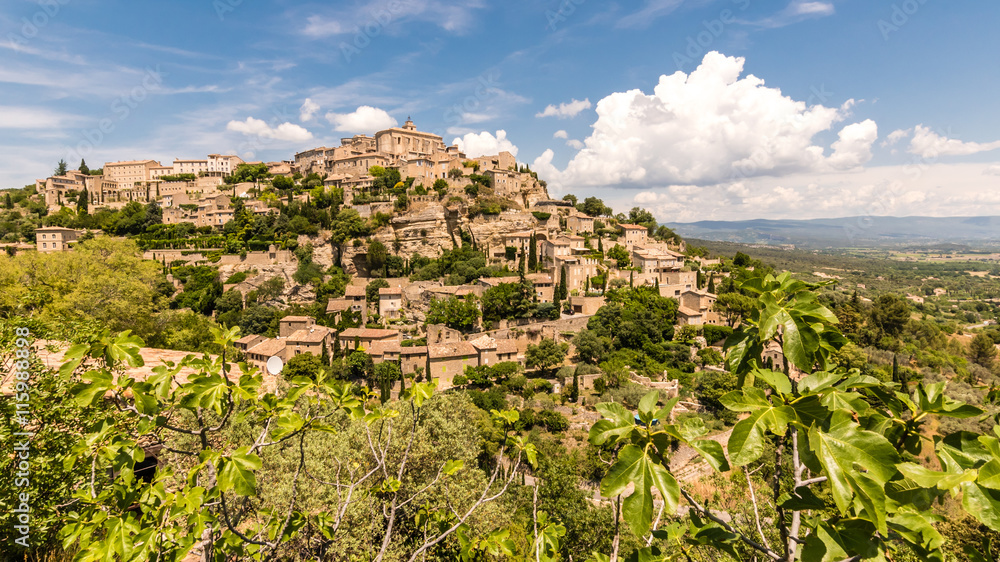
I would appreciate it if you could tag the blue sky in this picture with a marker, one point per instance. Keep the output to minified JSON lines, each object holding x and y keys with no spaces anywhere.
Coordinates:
{"x":696,"y":109}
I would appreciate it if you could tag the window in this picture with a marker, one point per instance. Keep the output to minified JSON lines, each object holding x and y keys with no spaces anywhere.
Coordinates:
{"x":44,"y":245}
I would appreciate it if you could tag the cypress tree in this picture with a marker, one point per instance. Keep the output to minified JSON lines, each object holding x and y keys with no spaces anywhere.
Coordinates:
{"x":8,"y":202}
{"x":631,"y":279}
{"x":563,"y":284}
{"x":82,"y":202}
{"x":600,"y":245}
{"x":533,"y":253}
{"x":520,"y":263}
{"x":325,"y":357}
{"x":711,"y":284}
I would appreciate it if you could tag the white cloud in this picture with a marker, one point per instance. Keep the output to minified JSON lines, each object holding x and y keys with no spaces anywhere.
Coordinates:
{"x":372,"y":19}
{"x":22,"y":117}
{"x":485,"y":144}
{"x":257,"y":127}
{"x":566,"y":110}
{"x":709,"y":127}
{"x":560,"y":135}
{"x":993,"y":170}
{"x":365,"y":119}
{"x":473,"y":118}
{"x":308,"y":110}
{"x":937,"y":190}
{"x":575,"y":144}
{"x":854,"y":147}
{"x":318,"y":26}
{"x":928,"y":144}
{"x":896,"y":136}
{"x":652,"y":10}
{"x":796,"y":11}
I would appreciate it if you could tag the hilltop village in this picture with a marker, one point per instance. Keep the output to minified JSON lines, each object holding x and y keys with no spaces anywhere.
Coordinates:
{"x":394,"y":207}
{"x":521,"y":341}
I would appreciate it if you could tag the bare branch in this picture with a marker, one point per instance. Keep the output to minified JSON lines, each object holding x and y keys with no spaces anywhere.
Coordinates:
{"x":756,"y":511}
{"x":747,"y":540}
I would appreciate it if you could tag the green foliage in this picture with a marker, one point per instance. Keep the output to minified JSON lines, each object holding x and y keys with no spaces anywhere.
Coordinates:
{"x":455,"y":312}
{"x":371,"y":290}
{"x":594,"y":207}
{"x":508,"y":300}
{"x":852,"y":433}
{"x":633,"y":318}
{"x":241,"y":473}
{"x":303,"y":365}
{"x":621,"y":256}
{"x":546,"y":355}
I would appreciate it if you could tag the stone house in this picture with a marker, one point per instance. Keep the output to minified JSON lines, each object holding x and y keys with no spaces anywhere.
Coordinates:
{"x":634,"y":234}
{"x":390,"y":303}
{"x":54,"y":238}
{"x":365,"y":337}
{"x":448,"y":360}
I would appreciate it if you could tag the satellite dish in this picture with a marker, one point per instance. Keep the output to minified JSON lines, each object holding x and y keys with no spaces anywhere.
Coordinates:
{"x":274,"y":365}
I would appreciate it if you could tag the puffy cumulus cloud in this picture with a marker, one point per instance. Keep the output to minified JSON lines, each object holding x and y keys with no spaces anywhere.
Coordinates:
{"x":709,"y":127}
{"x":896,"y":136}
{"x":258,"y":128}
{"x":308,"y":110}
{"x":365,"y":119}
{"x":560,"y":135}
{"x":993,"y":170}
{"x":485,"y":144}
{"x":928,"y":144}
{"x":854,"y":147}
{"x":575,"y":144}
{"x":565,"y":110}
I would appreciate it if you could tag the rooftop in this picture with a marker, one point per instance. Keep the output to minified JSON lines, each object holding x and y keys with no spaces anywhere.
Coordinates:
{"x":446,"y":350}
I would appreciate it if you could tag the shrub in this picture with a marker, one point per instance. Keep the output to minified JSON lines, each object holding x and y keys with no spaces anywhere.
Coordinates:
{"x":553,"y":421}
{"x":517,"y":383}
{"x":238,"y":277}
{"x":715,"y":334}
{"x":461,"y":380}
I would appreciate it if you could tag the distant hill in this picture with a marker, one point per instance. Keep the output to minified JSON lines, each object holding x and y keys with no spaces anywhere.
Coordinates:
{"x":849,"y":232}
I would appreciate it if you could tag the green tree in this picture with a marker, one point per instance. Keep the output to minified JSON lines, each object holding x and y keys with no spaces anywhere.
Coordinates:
{"x":508,"y":300}
{"x":590,"y":347}
{"x":621,"y":256}
{"x":734,"y":307}
{"x":303,"y":365}
{"x":377,"y":254}
{"x":371,"y":290}
{"x":60,"y":169}
{"x":982,"y":350}
{"x":383,"y":376}
{"x":546,"y":355}
{"x":346,"y":225}
{"x":83,"y":202}
{"x":594,"y":207}
{"x":455,"y":312}
{"x":84,"y":169}
{"x":890,"y":314}
{"x":532,"y":253}
{"x":250,"y":462}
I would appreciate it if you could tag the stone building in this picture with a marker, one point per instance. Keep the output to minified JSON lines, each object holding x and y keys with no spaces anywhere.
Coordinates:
{"x":55,"y":238}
